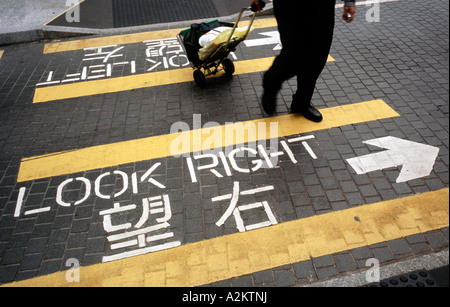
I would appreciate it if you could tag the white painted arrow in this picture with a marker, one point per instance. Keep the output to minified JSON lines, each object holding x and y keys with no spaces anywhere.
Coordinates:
{"x":273,"y":38}
{"x":417,"y":159}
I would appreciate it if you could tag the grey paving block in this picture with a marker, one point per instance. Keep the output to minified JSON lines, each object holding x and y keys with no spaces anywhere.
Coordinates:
{"x":436,"y":240}
{"x":284,"y":278}
{"x":243,"y":281}
{"x":344,"y":262}
{"x":383,"y":254}
{"x":263,"y":277}
{"x":388,"y":60}
{"x":304,"y":270}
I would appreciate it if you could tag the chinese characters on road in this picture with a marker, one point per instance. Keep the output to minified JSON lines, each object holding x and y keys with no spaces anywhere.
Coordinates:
{"x":149,"y":229}
{"x":101,"y":62}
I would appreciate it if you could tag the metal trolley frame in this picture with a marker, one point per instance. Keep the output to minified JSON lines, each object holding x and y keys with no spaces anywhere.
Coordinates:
{"x":217,"y":60}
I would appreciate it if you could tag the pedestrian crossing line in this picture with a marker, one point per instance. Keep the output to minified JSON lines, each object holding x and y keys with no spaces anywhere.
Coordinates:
{"x":135,"y":37}
{"x":127,"y":83}
{"x":239,"y":254}
{"x":155,"y":147}
{"x":144,"y":36}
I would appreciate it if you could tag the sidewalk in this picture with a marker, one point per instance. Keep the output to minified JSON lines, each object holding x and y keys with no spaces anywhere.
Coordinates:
{"x":22,"y":20}
{"x":88,"y":174}
{"x":25,"y":21}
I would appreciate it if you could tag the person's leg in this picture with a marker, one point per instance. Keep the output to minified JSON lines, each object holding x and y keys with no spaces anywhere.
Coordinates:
{"x":317,"y":43}
{"x":282,"y":68}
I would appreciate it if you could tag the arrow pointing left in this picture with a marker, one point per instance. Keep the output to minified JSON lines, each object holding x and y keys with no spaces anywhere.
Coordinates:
{"x":417,"y":159}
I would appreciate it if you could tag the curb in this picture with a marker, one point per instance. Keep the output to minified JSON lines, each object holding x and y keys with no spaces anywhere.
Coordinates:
{"x":426,"y":262}
{"x":57,"y":32}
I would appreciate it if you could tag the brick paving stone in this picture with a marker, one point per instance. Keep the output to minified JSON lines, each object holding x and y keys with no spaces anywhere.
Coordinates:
{"x":383,"y":254}
{"x":263,"y":277}
{"x":243,"y":281}
{"x":399,"y":247}
{"x":326,"y":272}
{"x":389,"y":60}
{"x":304,"y":271}
{"x":436,"y":240}
{"x":344,"y":262}
{"x":284,"y":278}
{"x":445,"y":232}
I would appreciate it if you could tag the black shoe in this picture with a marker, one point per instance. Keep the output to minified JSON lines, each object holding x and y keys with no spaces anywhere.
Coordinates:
{"x":269,"y":101}
{"x":309,"y":112}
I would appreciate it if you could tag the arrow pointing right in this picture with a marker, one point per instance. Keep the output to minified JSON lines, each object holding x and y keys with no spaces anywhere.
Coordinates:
{"x":417,"y":159}
{"x":273,"y":38}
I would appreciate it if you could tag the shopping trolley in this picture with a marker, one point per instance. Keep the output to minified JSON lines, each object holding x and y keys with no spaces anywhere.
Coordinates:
{"x":218,"y":60}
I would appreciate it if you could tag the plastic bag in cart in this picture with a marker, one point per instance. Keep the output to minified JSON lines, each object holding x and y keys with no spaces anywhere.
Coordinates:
{"x":222,"y":38}
{"x":208,"y":37}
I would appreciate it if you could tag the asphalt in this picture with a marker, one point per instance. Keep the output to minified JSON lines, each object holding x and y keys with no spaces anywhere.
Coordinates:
{"x":390,"y":61}
{"x":24,"y":21}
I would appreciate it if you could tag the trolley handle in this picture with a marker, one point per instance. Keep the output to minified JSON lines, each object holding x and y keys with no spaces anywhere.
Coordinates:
{"x":237,"y":22}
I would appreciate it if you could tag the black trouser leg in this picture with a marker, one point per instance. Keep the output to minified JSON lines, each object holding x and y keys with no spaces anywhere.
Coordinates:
{"x":318,"y":46}
{"x":283,"y":67}
{"x":306,"y":33}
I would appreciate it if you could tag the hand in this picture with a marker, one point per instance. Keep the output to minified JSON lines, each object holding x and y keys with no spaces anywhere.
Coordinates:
{"x":253,"y":2}
{"x":349,"y":10}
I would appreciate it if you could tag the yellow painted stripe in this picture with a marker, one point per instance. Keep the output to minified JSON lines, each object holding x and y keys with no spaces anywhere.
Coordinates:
{"x":134,"y":38}
{"x":244,"y":253}
{"x":163,"y":146}
{"x":113,"y":85}
{"x":74,"y":90}
{"x":1,"y":54}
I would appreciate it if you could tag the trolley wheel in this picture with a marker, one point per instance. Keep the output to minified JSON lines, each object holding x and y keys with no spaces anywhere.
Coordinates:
{"x":199,"y":78}
{"x":228,"y":66}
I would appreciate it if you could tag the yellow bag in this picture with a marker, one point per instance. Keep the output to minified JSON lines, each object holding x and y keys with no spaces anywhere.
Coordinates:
{"x":222,"y":38}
